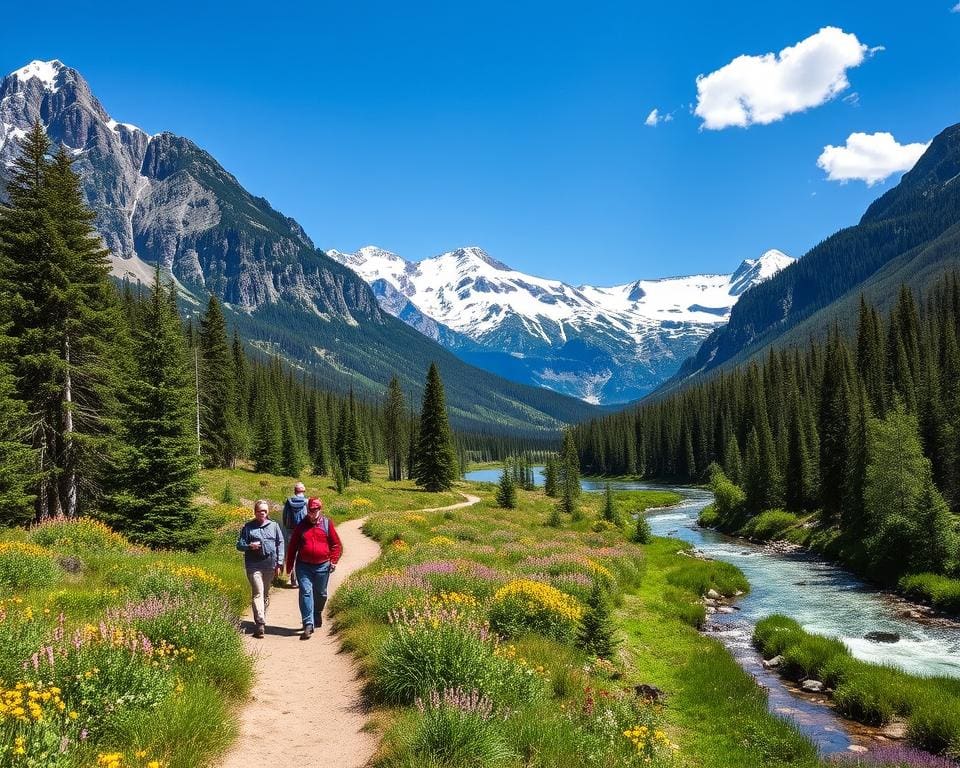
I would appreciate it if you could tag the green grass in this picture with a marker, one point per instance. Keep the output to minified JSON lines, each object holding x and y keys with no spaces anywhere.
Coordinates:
{"x":718,"y":714}
{"x":941,"y":592}
{"x":771,"y":524}
{"x":868,"y":693}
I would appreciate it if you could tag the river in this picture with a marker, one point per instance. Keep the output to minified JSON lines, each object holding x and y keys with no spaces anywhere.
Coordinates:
{"x":824,"y":598}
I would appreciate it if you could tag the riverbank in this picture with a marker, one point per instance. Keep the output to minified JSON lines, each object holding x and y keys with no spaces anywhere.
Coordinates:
{"x":932,"y":596}
{"x":878,"y":696}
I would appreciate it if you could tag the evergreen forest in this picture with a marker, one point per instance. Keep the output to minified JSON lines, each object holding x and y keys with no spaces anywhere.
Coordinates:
{"x":862,"y":435}
{"x":110,"y":404}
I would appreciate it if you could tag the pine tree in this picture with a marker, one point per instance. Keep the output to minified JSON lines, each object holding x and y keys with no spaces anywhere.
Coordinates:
{"x":394,"y":429}
{"x":358,"y":457}
{"x":642,"y":533}
{"x":435,"y":463}
{"x":268,"y":431}
{"x":609,"y":512}
{"x":732,"y":463}
{"x":506,"y":490}
{"x":17,"y":460}
{"x":218,"y":428}
{"x":596,"y":634}
{"x":241,"y":368}
{"x":161,"y":473}
{"x":896,"y":475}
{"x":66,"y":325}
{"x":551,"y":472}
{"x":569,"y":476}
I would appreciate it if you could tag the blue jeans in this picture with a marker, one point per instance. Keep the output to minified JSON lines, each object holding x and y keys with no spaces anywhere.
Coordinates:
{"x":313,"y":580}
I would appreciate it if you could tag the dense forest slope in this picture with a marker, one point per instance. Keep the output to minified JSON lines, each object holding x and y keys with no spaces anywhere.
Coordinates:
{"x":910,"y":235}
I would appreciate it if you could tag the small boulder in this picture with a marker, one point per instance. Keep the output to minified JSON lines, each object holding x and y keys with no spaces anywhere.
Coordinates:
{"x":895,"y":729}
{"x":859,"y":749}
{"x":812,"y":686}
{"x":882,"y":637}
{"x":773,"y":663}
{"x":724,"y":609}
{"x":713,"y":594}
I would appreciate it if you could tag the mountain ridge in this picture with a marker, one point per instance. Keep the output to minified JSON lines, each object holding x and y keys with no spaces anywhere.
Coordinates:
{"x":624,"y":339}
{"x":161,"y":198}
{"x":908,"y":235}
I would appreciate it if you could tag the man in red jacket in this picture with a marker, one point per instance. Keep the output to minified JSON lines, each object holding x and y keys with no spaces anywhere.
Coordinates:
{"x":315,"y":548}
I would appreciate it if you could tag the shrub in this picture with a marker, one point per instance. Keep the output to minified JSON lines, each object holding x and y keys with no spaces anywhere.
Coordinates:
{"x":709,"y":517}
{"x":523,"y":606}
{"x":771,"y":524}
{"x":432,"y":650}
{"x":456,"y":729}
{"x":27,"y":566}
{"x":79,"y":535}
{"x":172,"y":579}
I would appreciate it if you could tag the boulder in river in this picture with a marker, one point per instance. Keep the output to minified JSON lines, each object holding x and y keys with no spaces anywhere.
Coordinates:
{"x":773,"y":663}
{"x":812,"y":686}
{"x":882,"y":637}
{"x":713,"y":594}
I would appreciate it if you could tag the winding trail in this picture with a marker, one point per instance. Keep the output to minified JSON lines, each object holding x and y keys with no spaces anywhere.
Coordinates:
{"x":306,"y":707}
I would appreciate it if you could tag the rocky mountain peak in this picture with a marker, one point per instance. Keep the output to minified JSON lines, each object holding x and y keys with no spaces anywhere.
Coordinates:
{"x":753,"y":271}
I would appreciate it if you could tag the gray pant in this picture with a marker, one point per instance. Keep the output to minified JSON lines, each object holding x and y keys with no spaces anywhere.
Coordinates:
{"x":260,"y":580}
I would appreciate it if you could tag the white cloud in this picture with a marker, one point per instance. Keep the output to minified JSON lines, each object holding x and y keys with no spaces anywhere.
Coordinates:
{"x":655,"y":118}
{"x":869,"y":157}
{"x":763,"y":89}
{"x":955,"y":9}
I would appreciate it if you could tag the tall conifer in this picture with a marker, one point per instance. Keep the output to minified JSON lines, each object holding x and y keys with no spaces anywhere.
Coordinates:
{"x":435,"y":461}
{"x":161,"y":473}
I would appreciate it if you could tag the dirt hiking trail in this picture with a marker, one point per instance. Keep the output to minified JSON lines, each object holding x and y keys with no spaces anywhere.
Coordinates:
{"x":306,"y":707}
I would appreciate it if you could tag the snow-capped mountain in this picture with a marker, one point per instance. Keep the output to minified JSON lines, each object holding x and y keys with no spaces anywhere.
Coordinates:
{"x":604,"y":345}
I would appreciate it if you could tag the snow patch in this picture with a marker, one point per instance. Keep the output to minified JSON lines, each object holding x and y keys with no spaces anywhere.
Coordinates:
{"x":44,"y":71}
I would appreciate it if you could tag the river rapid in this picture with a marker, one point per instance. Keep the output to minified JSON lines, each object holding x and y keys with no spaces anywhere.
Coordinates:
{"x":824,"y":598}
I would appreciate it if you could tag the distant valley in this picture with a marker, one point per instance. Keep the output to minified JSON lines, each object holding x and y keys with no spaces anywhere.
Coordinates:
{"x":603,"y":345}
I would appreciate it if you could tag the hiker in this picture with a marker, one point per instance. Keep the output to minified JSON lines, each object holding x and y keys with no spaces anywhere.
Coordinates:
{"x":261,"y":542}
{"x":315,"y":548}
{"x":294,"y":510}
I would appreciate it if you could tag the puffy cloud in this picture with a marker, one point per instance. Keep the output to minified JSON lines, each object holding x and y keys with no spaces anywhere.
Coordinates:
{"x":955,"y":9}
{"x":656,"y":117}
{"x":869,"y":157}
{"x":763,"y":89}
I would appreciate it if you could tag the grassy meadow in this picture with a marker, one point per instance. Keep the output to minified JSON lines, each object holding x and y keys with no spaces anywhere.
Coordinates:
{"x":116,"y":656}
{"x":486,"y":638}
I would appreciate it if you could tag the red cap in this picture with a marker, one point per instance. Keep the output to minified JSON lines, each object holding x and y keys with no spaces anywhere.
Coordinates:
{"x":315,"y":503}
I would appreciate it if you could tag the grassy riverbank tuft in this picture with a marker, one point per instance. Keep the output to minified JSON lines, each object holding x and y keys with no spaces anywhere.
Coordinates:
{"x":867,"y":693}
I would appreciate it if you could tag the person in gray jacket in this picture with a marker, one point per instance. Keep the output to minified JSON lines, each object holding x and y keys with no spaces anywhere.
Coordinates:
{"x":261,"y":542}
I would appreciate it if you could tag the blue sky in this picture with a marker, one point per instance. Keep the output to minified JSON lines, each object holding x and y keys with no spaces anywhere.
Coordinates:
{"x":520,"y":127}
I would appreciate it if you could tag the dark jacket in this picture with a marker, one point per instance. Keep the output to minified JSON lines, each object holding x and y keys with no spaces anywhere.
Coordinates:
{"x":294,"y":510}
{"x":270,"y":554}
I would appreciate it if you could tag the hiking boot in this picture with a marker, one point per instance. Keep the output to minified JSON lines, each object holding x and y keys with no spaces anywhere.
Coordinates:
{"x":307,"y":631}
{"x":258,"y":632}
